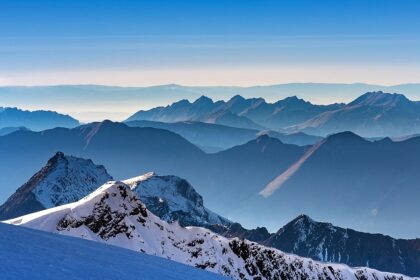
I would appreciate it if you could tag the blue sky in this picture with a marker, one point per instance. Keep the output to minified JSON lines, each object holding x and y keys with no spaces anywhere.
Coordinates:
{"x":208,"y":42}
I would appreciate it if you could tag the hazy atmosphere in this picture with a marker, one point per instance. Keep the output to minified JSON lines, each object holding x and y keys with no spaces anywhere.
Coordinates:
{"x":211,"y":139}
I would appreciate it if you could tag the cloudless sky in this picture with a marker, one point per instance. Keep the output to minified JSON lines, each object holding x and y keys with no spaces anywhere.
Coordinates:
{"x":209,"y":42}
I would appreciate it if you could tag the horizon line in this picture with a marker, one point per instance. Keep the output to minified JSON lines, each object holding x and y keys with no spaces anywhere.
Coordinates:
{"x":204,"y":85}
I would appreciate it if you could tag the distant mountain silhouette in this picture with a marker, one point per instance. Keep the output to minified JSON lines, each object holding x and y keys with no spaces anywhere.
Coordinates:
{"x":286,"y":112}
{"x":85,"y":97}
{"x":8,"y":130}
{"x":34,"y":120}
{"x":212,"y":137}
{"x":253,"y":113}
{"x":374,"y":114}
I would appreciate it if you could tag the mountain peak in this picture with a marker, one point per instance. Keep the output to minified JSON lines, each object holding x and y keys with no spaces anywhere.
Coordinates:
{"x":303,"y":217}
{"x":173,"y":199}
{"x":380,"y":98}
{"x":203,"y":100}
{"x":64,"y":179}
{"x":344,"y":137}
{"x":265,"y":139}
{"x":237,"y":98}
{"x":57,"y":156}
{"x":291,"y":100}
{"x":181,"y":102}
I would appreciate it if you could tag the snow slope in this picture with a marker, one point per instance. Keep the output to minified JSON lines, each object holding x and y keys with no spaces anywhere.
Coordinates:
{"x":113,"y":214}
{"x":31,"y":254}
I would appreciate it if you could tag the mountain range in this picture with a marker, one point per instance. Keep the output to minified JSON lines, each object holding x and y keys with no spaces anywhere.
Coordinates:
{"x":253,"y":113}
{"x":129,"y":151}
{"x":34,"y":120}
{"x":97,"y":102}
{"x":328,"y":243}
{"x":113,"y":214}
{"x":374,"y":114}
{"x":173,"y":199}
{"x":337,"y":171}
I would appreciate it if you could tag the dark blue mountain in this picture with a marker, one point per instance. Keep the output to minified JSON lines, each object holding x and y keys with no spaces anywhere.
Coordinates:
{"x":215,"y":137}
{"x":34,"y":120}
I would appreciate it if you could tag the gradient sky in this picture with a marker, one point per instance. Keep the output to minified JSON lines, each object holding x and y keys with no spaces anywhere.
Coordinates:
{"x":208,"y":42}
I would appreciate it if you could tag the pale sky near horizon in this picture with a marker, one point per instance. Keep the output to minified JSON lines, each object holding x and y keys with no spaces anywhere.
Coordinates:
{"x":142,"y":43}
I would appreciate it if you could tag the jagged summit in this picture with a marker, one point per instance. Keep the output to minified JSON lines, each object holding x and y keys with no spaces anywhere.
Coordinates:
{"x":237,"y":98}
{"x":203,"y":100}
{"x":174,"y":199}
{"x":325,"y":242}
{"x":64,"y":179}
{"x":292,"y":100}
{"x":302,"y":217}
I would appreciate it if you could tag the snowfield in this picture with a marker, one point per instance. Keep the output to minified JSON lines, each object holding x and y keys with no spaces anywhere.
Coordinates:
{"x":113,"y":214}
{"x":31,"y":254}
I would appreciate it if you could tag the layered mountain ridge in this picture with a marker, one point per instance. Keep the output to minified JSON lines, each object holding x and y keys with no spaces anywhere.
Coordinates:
{"x":252,"y":113}
{"x":373,"y":114}
{"x":215,"y":137}
{"x":337,"y":172}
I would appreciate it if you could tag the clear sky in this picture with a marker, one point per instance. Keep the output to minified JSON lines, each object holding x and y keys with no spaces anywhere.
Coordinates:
{"x":208,"y":42}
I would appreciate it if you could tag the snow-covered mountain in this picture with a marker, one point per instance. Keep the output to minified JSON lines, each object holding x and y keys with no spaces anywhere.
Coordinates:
{"x":325,"y":242}
{"x":113,"y":214}
{"x":174,"y":199}
{"x":28,"y":254}
{"x":67,"y":179}
{"x":64,"y":179}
